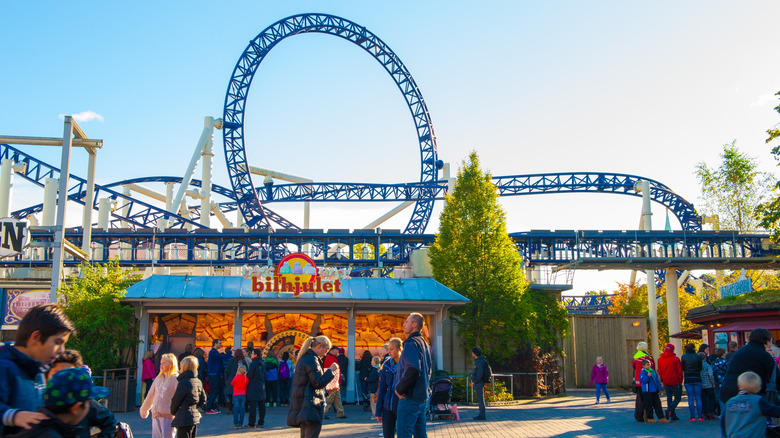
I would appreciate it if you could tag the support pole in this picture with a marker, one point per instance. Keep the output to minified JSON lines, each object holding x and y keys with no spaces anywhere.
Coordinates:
{"x":48,"y":216}
{"x":62,"y":203}
{"x":207,"y":154}
{"x":350,"y":355}
{"x":673,"y":306}
{"x":89,"y":202}
{"x":6,"y":178}
{"x":652,"y":304}
{"x":185,"y":182}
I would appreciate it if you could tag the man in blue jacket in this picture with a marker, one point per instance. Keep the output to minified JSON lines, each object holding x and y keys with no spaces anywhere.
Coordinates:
{"x":216,"y":376}
{"x":412,"y":378}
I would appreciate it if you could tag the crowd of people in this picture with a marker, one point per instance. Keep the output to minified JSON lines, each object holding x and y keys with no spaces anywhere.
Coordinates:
{"x":733,"y":386}
{"x":47,"y":391}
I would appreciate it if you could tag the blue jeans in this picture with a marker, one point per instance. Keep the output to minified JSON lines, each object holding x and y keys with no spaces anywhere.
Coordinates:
{"x":411,"y":419}
{"x":673,"y":397}
{"x":239,"y":408}
{"x":601,"y":387}
{"x":694,"y":399}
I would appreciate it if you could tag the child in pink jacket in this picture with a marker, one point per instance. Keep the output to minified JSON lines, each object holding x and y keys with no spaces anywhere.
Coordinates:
{"x":600,"y":375}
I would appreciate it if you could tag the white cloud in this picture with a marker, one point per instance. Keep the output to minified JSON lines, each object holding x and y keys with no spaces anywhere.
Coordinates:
{"x":764,"y":99}
{"x":85,"y":116}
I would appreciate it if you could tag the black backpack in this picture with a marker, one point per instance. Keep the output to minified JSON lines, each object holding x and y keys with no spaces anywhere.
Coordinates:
{"x":488,"y":372}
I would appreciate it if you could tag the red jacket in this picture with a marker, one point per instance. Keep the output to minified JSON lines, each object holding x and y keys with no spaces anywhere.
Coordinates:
{"x":670,"y":369}
{"x":639,"y":356}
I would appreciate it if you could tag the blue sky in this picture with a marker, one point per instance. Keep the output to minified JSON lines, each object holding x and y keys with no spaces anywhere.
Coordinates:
{"x":642,"y":88}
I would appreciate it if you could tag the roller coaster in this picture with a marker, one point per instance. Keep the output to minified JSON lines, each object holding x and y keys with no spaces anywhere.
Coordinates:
{"x":143,"y":233}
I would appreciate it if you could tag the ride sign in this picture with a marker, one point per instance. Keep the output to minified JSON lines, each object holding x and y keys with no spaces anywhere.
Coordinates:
{"x":14,"y":235}
{"x":296,"y":273}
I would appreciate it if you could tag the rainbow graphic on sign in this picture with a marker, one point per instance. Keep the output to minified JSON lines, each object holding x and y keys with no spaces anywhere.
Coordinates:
{"x":295,"y":273}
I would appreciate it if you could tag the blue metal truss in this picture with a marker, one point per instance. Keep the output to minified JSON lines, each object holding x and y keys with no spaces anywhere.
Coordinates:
{"x":588,"y":304}
{"x":238,"y":90}
{"x":564,"y":249}
{"x":515,"y":185}
{"x":138,"y":213}
{"x":599,"y":182}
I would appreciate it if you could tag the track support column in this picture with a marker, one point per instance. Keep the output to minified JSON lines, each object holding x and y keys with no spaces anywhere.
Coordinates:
{"x":673,"y":306}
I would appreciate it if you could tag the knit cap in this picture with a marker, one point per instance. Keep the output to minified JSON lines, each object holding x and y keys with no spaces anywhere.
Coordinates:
{"x":71,"y":386}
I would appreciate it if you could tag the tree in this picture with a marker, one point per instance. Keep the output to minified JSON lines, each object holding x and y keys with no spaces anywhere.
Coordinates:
{"x":733,"y":190}
{"x":769,"y":212}
{"x":473,"y":255}
{"x":636,"y":304}
{"x":105,"y":326}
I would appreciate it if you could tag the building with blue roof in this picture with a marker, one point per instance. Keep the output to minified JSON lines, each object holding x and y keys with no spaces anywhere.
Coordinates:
{"x":176,"y":310}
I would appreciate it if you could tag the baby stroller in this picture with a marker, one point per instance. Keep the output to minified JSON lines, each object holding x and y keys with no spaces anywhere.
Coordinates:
{"x":440,"y":403}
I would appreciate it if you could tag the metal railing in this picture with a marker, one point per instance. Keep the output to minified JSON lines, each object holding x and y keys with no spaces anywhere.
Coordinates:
{"x":547,"y":377}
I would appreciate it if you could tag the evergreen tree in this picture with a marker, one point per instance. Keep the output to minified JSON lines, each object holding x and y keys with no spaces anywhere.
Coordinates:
{"x":474,"y":255}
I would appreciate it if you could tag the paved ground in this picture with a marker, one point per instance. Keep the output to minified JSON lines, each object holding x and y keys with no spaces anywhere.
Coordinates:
{"x":573,"y":415}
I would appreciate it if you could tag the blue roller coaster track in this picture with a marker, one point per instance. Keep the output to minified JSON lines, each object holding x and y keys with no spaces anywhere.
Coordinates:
{"x":238,"y":89}
{"x":145,"y":215}
{"x":271,"y":235}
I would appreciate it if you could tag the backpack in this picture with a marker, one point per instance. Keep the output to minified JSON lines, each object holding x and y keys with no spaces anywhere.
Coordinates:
{"x":488,"y":372}
{"x":284,"y":370}
{"x":123,"y":431}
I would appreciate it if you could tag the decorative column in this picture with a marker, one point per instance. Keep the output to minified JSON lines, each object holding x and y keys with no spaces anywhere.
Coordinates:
{"x":438,"y":339}
{"x":238,"y":321}
{"x":351,"y":356}
{"x":143,"y":336}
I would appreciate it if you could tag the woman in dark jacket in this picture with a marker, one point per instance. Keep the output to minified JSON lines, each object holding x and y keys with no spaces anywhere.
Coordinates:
{"x":691,"y":366}
{"x":255,"y":391}
{"x":307,"y":404}
{"x":751,"y":357}
{"x":189,"y":396}
{"x":386,"y":398}
{"x":230,"y":372}
{"x":364,"y":369}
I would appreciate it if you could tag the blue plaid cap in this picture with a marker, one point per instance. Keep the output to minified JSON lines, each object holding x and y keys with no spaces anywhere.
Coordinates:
{"x":71,"y":386}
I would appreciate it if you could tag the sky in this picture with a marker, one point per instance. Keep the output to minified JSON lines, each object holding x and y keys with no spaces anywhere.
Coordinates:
{"x":649,"y":89}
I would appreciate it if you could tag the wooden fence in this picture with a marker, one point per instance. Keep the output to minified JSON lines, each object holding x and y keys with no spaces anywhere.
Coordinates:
{"x":613,"y":337}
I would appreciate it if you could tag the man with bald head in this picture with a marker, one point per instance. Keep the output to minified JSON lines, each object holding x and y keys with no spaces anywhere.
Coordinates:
{"x":412,"y":376}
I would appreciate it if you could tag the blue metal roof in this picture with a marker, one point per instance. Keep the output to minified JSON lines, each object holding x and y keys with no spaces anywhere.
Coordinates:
{"x":181,"y":287}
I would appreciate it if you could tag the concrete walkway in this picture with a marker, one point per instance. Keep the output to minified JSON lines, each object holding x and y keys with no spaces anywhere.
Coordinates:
{"x":574,"y":415}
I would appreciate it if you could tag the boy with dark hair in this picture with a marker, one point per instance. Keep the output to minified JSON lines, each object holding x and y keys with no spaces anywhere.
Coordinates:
{"x":66,"y":403}
{"x":40,"y":339}
{"x":98,"y":417}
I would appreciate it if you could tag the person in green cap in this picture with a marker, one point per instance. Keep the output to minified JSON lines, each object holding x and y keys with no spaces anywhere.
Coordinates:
{"x":66,"y":401}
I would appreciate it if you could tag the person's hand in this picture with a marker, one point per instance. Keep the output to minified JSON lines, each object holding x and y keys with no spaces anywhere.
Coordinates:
{"x":144,"y":414}
{"x":399,"y":395}
{"x":378,"y":419}
{"x":28,"y":419}
{"x":334,"y":366}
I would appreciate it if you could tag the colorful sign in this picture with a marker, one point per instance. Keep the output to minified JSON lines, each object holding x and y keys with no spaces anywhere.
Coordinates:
{"x":296,"y":273}
{"x":14,"y":236}
{"x":19,"y":301}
